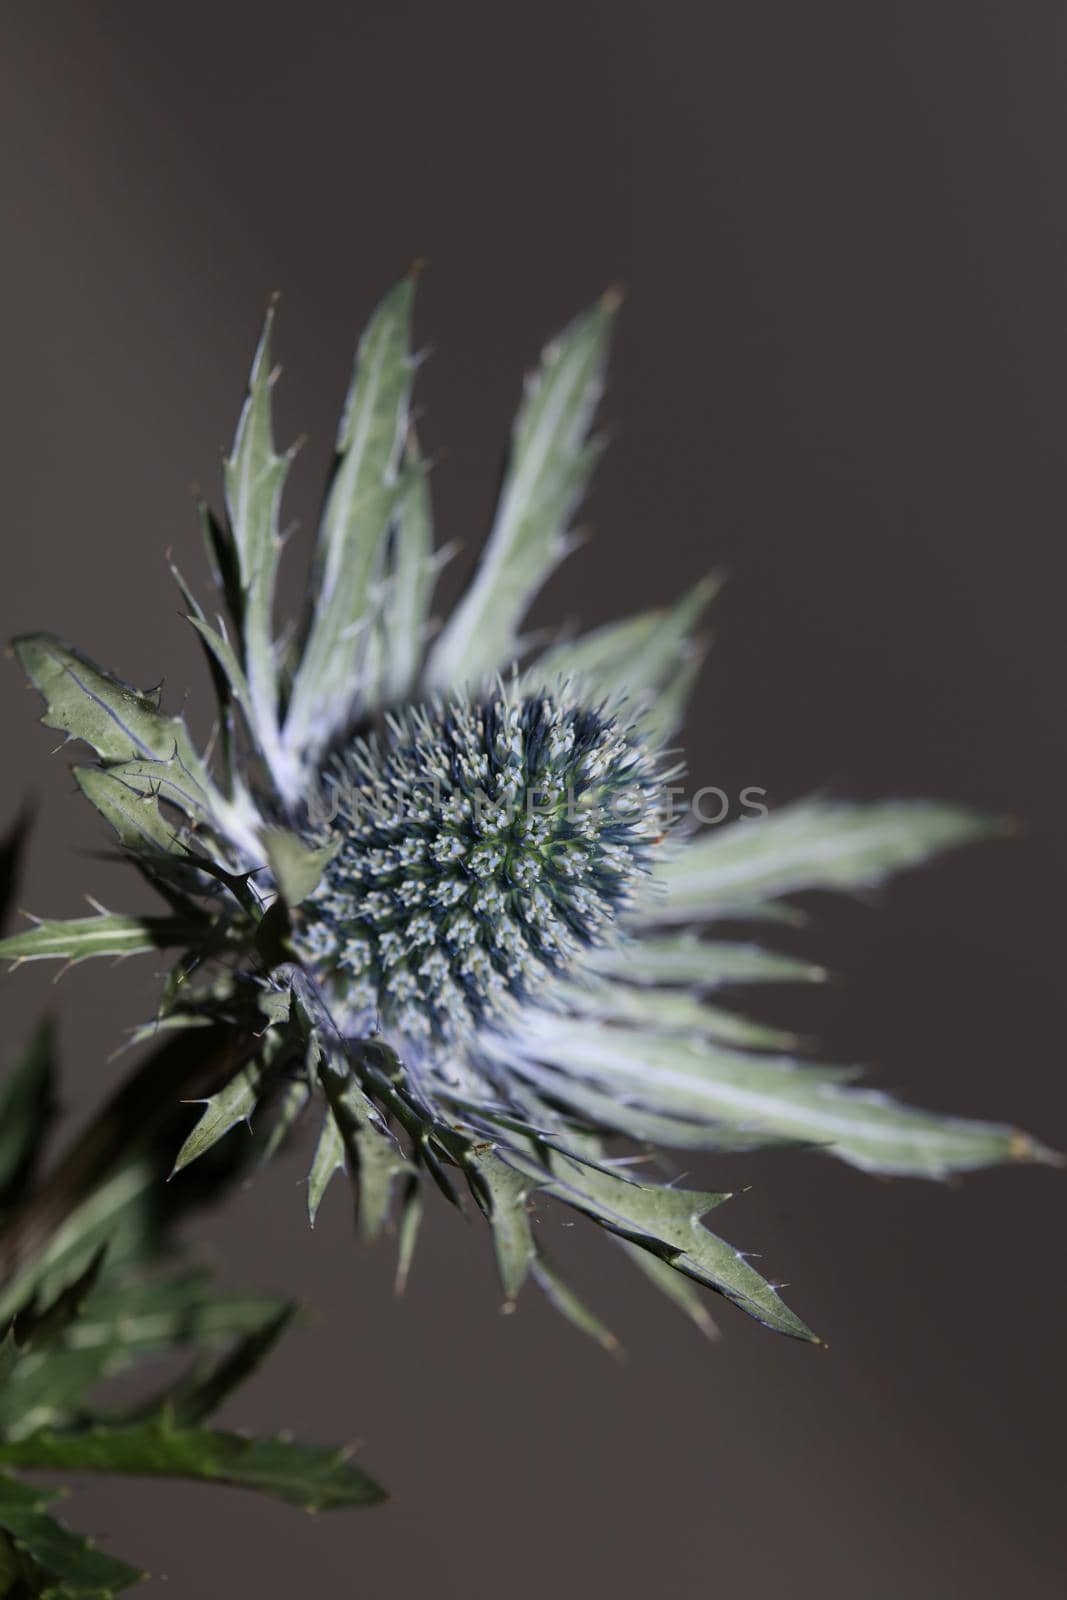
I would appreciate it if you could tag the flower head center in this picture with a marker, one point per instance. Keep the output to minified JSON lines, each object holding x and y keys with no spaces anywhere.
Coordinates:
{"x":481,"y":846}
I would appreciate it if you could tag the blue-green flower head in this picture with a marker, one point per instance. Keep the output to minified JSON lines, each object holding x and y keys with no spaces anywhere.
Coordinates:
{"x":480,"y":847}
{"x":462,"y":942}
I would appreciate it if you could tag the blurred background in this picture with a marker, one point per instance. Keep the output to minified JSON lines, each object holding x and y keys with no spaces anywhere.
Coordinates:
{"x":840,"y":372}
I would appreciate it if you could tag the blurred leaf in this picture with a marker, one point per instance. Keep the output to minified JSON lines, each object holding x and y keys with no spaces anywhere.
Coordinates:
{"x":410,"y":571}
{"x":11,"y":847}
{"x":196,"y":1396}
{"x":670,"y":1011}
{"x":549,"y":466}
{"x":85,"y":1573}
{"x":637,"y":659}
{"x":318,"y":1478}
{"x":683,"y":958}
{"x":27,"y":1104}
{"x":812,"y":844}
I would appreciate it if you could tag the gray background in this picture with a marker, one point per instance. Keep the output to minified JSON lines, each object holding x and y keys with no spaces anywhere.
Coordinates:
{"x":842,"y":230}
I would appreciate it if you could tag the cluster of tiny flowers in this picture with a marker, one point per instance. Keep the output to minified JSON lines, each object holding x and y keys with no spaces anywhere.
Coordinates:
{"x":478,"y":849}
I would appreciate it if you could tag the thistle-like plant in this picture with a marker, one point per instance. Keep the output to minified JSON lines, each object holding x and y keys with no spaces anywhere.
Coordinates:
{"x":430,"y":882}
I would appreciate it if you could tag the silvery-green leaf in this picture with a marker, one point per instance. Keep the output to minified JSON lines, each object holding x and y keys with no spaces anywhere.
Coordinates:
{"x":254,"y":477}
{"x":696,"y":1080}
{"x":408,"y":1231}
{"x":83,"y":1572}
{"x":297,"y":867}
{"x":135,"y":816}
{"x":669,"y":1011}
{"x":27,"y":1101}
{"x":684,"y":959}
{"x":359,"y":508}
{"x":667,"y":1221}
{"x":329,"y":1158}
{"x":549,"y":466}
{"x":227,"y":672}
{"x":315,"y":1477}
{"x":664,"y":712}
{"x":633,"y":1112}
{"x":560,"y":1294}
{"x":374,"y":1157}
{"x":75,"y":939}
{"x":119,"y":722}
{"x":637,"y":658}
{"x":125,"y":726}
{"x":812,"y":844}
{"x":411,"y":568}
{"x":233,"y":1104}
{"x":502,"y":1192}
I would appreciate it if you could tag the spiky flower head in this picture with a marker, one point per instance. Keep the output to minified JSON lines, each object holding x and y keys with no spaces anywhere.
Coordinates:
{"x":479,"y":848}
{"x":431,"y":889}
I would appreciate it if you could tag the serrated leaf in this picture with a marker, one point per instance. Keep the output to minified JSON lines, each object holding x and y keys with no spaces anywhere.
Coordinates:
{"x":315,"y":1477}
{"x":254,"y":478}
{"x":684,"y":959}
{"x":695,"y":1080}
{"x":502,"y":1193}
{"x":667,"y":1222}
{"x":813,"y":844}
{"x":83,"y":1570}
{"x":119,"y":722}
{"x":135,"y":816}
{"x":27,"y":1104}
{"x":75,"y":939}
{"x":549,"y":466}
{"x":297,"y":867}
{"x":233,"y":1104}
{"x":359,"y":509}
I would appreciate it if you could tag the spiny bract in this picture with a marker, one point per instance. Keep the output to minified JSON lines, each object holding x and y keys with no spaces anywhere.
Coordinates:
{"x":501,"y":975}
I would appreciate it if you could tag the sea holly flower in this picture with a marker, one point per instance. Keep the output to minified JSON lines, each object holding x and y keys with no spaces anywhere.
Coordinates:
{"x":432,"y":881}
